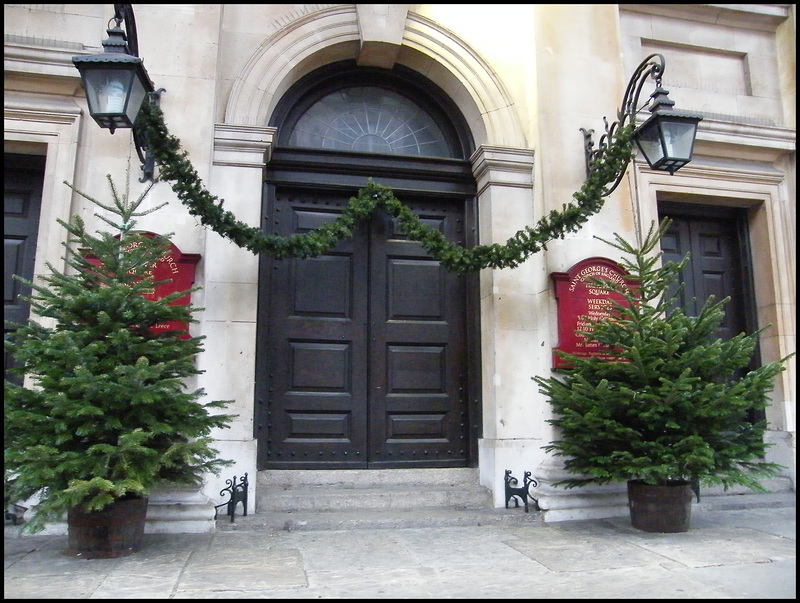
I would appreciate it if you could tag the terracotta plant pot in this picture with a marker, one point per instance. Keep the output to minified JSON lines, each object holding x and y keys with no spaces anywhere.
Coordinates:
{"x":662,"y":508}
{"x":115,"y":531}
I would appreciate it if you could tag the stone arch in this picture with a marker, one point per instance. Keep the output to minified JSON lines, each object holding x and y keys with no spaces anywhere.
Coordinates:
{"x":331,"y":34}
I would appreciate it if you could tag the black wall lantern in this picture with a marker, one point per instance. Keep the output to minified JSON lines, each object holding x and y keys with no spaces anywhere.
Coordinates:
{"x":117,"y":83}
{"x":666,"y":138}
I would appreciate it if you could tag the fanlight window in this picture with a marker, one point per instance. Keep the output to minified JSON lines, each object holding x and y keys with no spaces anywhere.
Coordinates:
{"x":370,"y":120}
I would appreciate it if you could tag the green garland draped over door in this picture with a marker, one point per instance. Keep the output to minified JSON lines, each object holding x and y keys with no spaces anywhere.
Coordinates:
{"x":175,"y":168}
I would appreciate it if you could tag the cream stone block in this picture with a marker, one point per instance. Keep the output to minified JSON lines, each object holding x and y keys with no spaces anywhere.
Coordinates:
{"x":187,"y":105}
{"x":707,"y":103}
{"x":568,"y":97}
{"x":499,"y":36}
{"x":762,"y":110}
{"x":179,"y":40}
{"x":697,"y":34}
{"x":560,"y":29}
{"x":635,"y":25}
{"x":179,"y":510}
{"x":488,"y":369}
{"x":510,"y":213}
{"x":515,"y":312}
{"x":704,"y":70}
{"x":756,"y":42}
{"x":516,"y":394}
{"x":529,"y":278}
{"x":763,"y":76}
{"x":237,"y":19}
{"x":86,"y":23}
{"x":230,"y":301}
{"x":225,"y":262}
{"x":240,"y":189}
{"x":228,"y":366}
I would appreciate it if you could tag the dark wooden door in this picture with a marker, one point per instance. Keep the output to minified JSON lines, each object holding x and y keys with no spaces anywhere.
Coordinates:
{"x":22,"y":188}
{"x":366,"y":345}
{"x":718,"y":265}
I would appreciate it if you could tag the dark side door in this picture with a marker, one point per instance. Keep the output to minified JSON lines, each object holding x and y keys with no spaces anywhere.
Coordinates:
{"x":22,"y":191}
{"x":720,"y":265}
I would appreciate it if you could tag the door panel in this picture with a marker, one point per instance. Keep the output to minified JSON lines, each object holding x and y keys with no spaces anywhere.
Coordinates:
{"x":720,"y":265}
{"x":366,"y":346}
{"x":22,"y":192}
{"x":715,"y":267}
{"x":316,"y":326}
{"x":417,"y":347}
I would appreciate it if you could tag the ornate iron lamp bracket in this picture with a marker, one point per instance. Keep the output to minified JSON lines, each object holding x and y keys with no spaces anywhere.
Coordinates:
{"x":124,"y":13}
{"x":651,"y":67}
{"x":118,"y":74}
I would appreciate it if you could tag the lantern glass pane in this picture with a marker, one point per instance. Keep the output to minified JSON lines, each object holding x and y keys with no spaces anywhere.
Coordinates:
{"x":679,"y":138}
{"x":107,"y":89}
{"x":135,"y":100}
{"x":649,"y":141}
{"x":114,"y":96}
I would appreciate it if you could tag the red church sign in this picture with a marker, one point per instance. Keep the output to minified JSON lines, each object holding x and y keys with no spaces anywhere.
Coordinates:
{"x":579,"y":299}
{"x":177,"y":270}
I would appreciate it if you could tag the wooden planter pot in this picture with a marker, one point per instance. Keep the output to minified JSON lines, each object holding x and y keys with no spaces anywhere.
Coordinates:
{"x":660,"y":508}
{"x":115,"y":531}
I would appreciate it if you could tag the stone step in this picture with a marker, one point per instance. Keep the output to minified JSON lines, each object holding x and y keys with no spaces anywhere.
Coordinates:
{"x":326,"y":498}
{"x":738,"y":501}
{"x":288,"y":478}
{"x":340,"y":490}
{"x":451,"y":517}
{"x":393,"y":498}
{"x":378,"y":519}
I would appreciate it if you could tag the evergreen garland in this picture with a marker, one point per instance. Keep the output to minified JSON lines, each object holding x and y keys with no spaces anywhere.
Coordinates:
{"x":176,"y":168}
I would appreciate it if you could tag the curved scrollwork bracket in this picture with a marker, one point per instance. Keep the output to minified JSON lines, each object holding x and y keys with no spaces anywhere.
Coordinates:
{"x":650,"y":67}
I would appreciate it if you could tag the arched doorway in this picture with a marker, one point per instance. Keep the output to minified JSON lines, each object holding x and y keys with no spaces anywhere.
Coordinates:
{"x":366,"y":355}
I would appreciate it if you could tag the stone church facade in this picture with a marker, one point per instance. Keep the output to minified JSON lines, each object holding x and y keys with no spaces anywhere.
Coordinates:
{"x":372,"y":358}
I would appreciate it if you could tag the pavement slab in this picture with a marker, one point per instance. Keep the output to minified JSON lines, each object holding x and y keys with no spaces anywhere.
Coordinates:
{"x":734,"y":553}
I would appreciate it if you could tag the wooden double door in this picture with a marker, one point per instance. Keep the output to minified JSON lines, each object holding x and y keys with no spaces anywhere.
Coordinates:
{"x":364,"y":363}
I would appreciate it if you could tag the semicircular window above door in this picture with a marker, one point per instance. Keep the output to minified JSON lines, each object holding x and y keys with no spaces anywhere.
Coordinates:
{"x":370,"y":120}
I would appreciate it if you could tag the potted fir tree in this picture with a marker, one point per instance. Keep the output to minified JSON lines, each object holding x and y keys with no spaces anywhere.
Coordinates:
{"x":669,"y":411}
{"x":104,"y":417}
